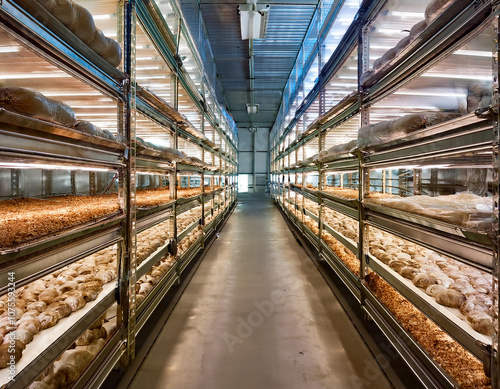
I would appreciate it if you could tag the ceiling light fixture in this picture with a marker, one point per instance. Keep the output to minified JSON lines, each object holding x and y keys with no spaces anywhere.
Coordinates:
{"x":252,"y":109}
{"x":253,"y":20}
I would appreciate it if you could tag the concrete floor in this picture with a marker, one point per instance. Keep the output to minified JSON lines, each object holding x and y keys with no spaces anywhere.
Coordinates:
{"x":258,"y":314}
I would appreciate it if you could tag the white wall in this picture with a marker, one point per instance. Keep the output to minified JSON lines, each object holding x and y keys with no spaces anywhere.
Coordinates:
{"x":247,"y":165}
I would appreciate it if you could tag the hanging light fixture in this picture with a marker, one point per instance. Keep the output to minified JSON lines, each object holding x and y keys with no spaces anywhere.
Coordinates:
{"x":253,"y":20}
{"x":252,"y":109}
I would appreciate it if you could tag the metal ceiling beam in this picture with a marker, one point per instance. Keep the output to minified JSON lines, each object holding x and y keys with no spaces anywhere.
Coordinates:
{"x":251,"y":70}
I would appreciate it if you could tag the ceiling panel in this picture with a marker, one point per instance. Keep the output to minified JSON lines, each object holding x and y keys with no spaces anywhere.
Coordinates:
{"x":274,"y":56}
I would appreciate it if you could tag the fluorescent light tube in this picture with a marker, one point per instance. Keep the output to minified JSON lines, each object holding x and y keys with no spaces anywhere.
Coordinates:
{"x":405,"y":14}
{"x":9,"y":49}
{"x":474,"y":53}
{"x":457,"y":76}
{"x":101,"y":17}
{"x":17,"y":165}
{"x":33,"y":75}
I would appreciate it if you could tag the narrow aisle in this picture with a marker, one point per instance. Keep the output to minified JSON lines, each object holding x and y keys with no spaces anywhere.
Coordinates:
{"x":258,"y":314}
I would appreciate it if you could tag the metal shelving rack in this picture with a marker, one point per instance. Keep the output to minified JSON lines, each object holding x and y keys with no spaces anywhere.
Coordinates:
{"x":495,"y":366}
{"x":33,"y":141}
{"x":450,"y":141}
